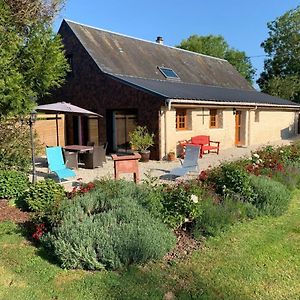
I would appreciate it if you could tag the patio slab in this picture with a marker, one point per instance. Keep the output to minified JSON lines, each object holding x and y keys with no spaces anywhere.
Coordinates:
{"x":153,"y":168}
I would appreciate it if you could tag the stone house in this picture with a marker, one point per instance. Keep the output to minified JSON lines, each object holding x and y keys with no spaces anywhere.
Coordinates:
{"x":176,"y":93}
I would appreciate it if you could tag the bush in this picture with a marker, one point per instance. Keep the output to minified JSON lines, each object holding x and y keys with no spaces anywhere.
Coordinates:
{"x":107,"y":228}
{"x":231,"y":178}
{"x":217,"y":217}
{"x":15,"y":147}
{"x":289,"y":176}
{"x":181,"y":203}
{"x":272,"y":198}
{"x":44,"y":198}
{"x":12,"y":184}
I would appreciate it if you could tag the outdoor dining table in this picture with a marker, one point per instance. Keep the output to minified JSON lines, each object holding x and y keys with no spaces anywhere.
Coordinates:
{"x":71,"y":154}
{"x":78,"y":148}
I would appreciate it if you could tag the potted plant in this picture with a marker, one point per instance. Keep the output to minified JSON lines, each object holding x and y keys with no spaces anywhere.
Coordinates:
{"x":141,"y":140}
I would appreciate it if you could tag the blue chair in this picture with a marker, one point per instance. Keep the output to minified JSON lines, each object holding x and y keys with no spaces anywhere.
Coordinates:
{"x":56,"y":163}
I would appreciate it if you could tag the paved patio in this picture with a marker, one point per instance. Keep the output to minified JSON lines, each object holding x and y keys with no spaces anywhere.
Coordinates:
{"x":158,"y":169}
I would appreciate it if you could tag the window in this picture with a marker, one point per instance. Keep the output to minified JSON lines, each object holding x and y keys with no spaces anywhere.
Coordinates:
{"x":168,"y":73}
{"x":213,"y":118}
{"x":181,"y":119}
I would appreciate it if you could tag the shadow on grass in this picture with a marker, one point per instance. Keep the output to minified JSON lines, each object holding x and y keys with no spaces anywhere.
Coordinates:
{"x":164,"y":281}
{"x":26,"y":229}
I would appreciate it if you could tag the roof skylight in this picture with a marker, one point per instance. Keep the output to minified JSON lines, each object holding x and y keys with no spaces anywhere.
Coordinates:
{"x":168,"y":73}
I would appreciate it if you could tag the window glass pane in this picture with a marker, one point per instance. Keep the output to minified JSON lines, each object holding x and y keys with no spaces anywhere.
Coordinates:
{"x":213,"y":118}
{"x":168,"y":73}
{"x":181,"y":119}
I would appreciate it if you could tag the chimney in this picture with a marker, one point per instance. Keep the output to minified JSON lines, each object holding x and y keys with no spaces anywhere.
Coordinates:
{"x":159,"y":40}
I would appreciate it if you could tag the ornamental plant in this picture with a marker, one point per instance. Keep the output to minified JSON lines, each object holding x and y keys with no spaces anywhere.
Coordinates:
{"x":44,"y":198}
{"x":12,"y":184}
{"x":272,"y":197}
{"x":230,"y":179}
{"x":140,"y":139}
{"x":107,"y":228}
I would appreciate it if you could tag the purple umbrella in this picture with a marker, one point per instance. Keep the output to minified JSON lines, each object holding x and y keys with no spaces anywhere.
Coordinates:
{"x":64,"y":108}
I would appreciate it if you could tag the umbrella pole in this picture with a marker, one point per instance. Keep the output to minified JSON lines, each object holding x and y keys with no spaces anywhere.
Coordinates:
{"x":57,"y":133}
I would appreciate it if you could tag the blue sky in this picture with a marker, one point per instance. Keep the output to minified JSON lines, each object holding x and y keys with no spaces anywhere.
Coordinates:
{"x":242,"y":23}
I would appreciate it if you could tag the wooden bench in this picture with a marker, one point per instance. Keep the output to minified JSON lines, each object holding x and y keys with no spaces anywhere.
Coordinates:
{"x":205,"y":143}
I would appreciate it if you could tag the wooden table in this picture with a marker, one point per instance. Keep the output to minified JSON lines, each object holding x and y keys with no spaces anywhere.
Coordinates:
{"x":78,"y":148}
{"x":127,"y":164}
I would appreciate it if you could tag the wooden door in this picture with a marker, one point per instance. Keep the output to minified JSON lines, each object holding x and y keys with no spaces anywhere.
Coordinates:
{"x":238,"y":125}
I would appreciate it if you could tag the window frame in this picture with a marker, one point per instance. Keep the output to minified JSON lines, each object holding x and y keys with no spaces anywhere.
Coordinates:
{"x":181,"y":113}
{"x":213,"y":118}
{"x":162,"y":70}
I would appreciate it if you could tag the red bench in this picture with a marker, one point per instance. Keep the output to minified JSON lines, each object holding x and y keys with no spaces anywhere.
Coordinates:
{"x":205,"y":143}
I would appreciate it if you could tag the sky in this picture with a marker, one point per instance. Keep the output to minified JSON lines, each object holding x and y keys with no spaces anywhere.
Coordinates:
{"x":243,"y":23}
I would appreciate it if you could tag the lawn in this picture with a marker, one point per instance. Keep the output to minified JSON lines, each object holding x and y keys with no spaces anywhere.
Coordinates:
{"x":254,"y":260}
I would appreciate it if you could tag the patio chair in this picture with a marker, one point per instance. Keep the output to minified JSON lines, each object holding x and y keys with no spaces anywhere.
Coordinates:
{"x":190,"y":163}
{"x":56,"y":163}
{"x":71,"y":159}
{"x":94,"y":158}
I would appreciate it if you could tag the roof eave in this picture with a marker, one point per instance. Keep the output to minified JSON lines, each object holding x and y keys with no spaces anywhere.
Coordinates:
{"x":170,"y":101}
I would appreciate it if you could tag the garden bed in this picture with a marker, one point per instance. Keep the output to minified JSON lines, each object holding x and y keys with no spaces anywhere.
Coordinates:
{"x":12,"y":213}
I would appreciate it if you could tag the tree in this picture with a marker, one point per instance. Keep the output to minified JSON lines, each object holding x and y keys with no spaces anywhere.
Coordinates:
{"x":32,"y":59}
{"x":281,"y":75}
{"x":215,"y":45}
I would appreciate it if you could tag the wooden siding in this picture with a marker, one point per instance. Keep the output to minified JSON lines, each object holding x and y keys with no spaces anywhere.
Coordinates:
{"x":45,"y":128}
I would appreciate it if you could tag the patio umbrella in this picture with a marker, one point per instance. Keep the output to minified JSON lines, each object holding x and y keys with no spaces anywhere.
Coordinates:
{"x":64,"y":108}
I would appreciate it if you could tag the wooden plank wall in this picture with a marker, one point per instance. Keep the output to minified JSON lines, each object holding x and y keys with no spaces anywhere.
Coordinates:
{"x":45,"y":128}
{"x":93,"y":130}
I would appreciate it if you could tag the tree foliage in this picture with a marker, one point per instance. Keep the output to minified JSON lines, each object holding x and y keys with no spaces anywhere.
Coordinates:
{"x":31,"y":56}
{"x":215,"y":45}
{"x":281,"y":75}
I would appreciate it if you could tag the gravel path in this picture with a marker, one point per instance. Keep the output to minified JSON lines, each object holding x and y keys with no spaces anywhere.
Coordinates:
{"x":158,"y":169}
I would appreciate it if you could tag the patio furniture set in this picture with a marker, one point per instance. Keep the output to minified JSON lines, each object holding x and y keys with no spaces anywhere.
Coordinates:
{"x":61,"y":161}
{"x":94,"y":156}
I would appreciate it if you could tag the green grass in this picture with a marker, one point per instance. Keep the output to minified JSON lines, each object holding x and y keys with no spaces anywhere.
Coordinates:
{"x":254,"y":260}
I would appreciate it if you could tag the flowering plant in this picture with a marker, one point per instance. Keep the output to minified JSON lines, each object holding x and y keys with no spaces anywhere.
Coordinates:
{"x":80,"y":189}
{"x":40,"y":230}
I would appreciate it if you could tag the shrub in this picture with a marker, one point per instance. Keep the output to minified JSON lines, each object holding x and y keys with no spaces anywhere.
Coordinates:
{"x":181,"y":203}
{"x":290,"y":176}
{"x":107,"y":228}
{"x":12,"y":184}
{"x":272,"y":198}
{"x":217,"y":217}
{"x":15,"y":147}
{"x":44,"y":198}
{"x":231,"y":178}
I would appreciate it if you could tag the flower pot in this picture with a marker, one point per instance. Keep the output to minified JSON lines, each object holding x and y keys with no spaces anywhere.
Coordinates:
{"x":145,"y":155}
{"x":171,"y":156}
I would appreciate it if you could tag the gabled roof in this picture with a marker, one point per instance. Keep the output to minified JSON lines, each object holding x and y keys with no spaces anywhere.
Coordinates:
{"x":205,"y":94}
{"x":122,"y":55}
{"x":203,"y":79}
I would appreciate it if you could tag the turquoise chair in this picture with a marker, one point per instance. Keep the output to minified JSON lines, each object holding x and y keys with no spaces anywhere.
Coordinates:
{"x":56,"y":163}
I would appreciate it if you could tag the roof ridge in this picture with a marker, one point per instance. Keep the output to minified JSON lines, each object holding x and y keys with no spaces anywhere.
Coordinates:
{"x":139,"y":39}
